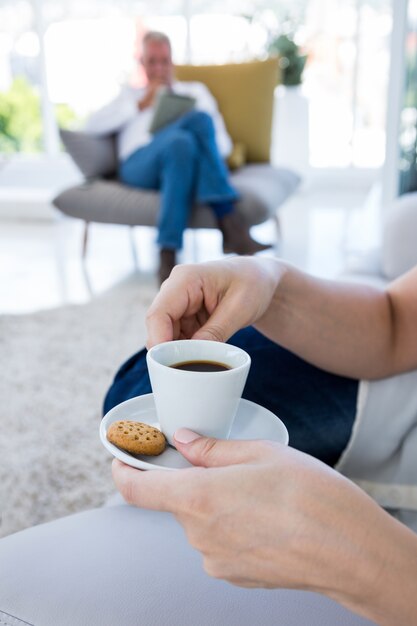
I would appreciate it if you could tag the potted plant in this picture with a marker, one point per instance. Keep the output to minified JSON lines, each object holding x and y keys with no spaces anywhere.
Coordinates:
{"x":290,"y":60}
{"x":291,"y":115}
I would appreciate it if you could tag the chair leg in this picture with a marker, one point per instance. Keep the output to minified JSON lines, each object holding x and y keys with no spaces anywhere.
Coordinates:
{"x":278,"y":231}
{"x":133,"y":247}
{"x":85,"y":240}
{"x":195,"y":244}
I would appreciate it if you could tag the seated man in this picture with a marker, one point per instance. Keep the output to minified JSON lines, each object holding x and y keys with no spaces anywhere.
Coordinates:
{"x":184,"y":159}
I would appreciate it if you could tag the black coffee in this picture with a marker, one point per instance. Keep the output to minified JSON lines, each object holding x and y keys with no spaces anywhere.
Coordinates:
{"x":201,"y":366}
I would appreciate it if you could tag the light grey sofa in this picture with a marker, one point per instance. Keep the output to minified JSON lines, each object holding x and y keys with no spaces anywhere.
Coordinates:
{"x":103,"y":198}
{"x":397,"y":252}
{"x":123,"y":566}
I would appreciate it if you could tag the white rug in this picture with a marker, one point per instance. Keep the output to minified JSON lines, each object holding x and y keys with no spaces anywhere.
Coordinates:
{"x":56,"y":366}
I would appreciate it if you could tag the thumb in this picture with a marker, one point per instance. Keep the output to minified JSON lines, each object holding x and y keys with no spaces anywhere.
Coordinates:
{"x":228,"y":317}
{"x":210,"y":452}
{"x":211,"y":333}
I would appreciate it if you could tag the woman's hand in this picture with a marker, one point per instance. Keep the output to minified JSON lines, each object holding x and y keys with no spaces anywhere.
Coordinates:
{"x":266,"y":515}
{"x":262,"y":514}
{"x":212,"y":300}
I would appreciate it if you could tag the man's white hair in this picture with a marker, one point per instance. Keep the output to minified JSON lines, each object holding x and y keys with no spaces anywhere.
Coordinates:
{"x":155,"y":35}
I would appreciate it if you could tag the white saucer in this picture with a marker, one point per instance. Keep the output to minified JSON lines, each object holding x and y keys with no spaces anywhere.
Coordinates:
{"x":251,"y":422}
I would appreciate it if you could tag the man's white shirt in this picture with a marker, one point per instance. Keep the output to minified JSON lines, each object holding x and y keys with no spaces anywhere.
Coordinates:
{"x":122,"y":116}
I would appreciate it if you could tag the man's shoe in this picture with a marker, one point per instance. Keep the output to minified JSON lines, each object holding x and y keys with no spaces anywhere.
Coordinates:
{"x":167,"y":261}
{"x":236,"y":236}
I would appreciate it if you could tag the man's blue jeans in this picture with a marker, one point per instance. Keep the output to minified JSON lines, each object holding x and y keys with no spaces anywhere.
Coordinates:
{"x":183,"y":162}
{"x":318,"y":408}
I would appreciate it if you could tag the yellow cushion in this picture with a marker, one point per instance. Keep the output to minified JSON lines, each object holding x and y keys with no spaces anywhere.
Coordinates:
{"x":245,"y":96}
{"x":237,"y":158}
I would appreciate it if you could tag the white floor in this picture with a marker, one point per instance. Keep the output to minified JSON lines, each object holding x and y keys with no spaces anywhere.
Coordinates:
{"x":41,"y":266}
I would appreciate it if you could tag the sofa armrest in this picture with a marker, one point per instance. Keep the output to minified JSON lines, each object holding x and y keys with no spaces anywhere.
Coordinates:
{"x":399,"y":238}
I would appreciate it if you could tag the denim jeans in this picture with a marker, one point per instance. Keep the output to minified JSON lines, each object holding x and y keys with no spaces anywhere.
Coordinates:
{"x":317,"y":407}
{"x":183,"y":162}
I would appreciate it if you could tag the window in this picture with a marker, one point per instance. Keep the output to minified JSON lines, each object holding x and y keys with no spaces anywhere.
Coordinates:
{"x":347,"y":80}
{"x":408,"y":116}
{"x":20,"y":94}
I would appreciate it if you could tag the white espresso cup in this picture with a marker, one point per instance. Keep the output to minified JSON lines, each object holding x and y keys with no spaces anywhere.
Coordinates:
{"x":203,"y":401}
